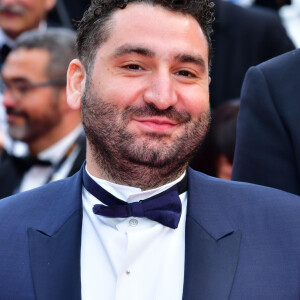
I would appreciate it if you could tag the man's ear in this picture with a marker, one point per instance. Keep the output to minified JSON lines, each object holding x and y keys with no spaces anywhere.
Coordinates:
{"x":76,"y":78}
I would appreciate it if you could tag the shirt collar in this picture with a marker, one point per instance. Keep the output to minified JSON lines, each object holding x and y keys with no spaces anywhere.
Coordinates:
{"x":56,"y":152}
{"x":131,"y":194}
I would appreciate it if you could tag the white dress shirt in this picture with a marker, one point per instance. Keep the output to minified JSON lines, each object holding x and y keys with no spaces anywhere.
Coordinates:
{"x":130,"y":258}
{"x":39,"y":175}
{"x":290,"y":15}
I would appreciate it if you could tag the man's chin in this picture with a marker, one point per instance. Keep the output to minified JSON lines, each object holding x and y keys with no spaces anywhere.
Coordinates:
{"x":17,"y":134}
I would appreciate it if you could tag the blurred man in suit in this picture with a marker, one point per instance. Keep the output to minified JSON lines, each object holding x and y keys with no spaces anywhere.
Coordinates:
{"x":243,"y":37}
{"x":16,"y":17}
{"x":268,"y":141}
{"x":136,"y":223}
{"x":34,"y":76}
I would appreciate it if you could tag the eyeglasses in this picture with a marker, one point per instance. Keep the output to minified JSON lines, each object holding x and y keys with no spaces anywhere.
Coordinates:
{"x":21,"y":87}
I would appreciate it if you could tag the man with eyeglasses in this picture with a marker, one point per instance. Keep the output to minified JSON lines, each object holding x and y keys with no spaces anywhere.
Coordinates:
{"x":34,"y":78}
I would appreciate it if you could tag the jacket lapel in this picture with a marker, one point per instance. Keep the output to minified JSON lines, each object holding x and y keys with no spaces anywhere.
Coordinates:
{"x":55,"y":252}
{"x":212,"y":245}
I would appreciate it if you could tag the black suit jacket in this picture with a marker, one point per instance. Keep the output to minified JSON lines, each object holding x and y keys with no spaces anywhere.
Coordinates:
{"x":243,"y":37}
{"x":268,"y":130}
{"x":11,"y":176}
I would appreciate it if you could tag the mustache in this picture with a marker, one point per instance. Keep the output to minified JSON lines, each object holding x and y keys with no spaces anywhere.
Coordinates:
{"x":12,"y":8}
{"x":150,"y":110}
{"x":16,"y":111}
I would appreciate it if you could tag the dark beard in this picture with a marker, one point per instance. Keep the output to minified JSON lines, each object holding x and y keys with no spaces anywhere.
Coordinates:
{"x":140,"y":162}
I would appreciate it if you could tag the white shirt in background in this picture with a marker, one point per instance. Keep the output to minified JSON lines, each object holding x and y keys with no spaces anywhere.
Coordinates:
{"x":290,"y":15}
{"x":39,"y":175}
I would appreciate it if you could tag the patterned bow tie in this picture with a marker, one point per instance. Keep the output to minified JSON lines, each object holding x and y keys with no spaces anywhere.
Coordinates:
{"x":164,"y":208}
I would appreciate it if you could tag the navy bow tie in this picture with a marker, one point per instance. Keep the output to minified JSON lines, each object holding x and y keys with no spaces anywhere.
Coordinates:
{"x":164,"y":208}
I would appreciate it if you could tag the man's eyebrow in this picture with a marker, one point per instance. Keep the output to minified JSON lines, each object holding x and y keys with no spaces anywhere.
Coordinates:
{"x":14,"y":79}
{"x":127,"y":49}
{"x":195,"y":59}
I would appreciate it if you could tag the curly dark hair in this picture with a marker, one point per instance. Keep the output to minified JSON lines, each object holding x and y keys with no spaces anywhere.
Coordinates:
{"x":93,"y":29}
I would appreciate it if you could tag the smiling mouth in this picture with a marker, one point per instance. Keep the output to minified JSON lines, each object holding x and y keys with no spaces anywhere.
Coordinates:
{"x":12,"y":116}
{"x":10,"y":14}
{"x":159,"y":125}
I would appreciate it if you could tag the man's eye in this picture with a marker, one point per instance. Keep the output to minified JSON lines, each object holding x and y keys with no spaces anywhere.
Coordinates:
{"x":185,"y":74}
{"x":133,"y":67}
{"x":23,"y":88}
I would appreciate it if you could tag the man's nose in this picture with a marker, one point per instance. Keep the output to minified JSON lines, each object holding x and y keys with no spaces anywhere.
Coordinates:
{"x":8,"y":99}
{"x":161,"y":91}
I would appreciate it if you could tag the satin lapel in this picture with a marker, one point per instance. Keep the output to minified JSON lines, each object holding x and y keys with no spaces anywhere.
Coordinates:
{"x":54,"y":245}
{"x":55,"y":261}
{"x":212,"y":243}
{"x":210,"y":264}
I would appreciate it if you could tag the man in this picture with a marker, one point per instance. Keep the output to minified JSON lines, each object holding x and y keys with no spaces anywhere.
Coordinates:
{"x":18,"y":16}
{"x":142,"y":80}
{"x":243,"y":37}
{"x":268,"y":144}
{"x":37,"y":111}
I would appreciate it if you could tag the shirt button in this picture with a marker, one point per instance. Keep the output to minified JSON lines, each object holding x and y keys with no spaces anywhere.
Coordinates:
{"x":133,"y":222}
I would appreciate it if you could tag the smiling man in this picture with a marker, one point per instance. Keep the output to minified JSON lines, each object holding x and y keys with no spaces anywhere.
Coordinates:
{"x":135,"y":223}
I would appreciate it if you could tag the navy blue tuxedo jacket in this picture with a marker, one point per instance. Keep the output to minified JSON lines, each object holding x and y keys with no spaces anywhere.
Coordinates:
{"x":268,"y":129}
{"x":242,"y":242}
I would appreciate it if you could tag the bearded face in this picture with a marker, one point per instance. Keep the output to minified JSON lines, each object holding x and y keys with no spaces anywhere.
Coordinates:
{"x":145,"y":106}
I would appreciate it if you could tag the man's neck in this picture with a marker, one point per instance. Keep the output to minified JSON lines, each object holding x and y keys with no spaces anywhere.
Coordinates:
{"x":45,"y":144}
{"x":142,"y":177}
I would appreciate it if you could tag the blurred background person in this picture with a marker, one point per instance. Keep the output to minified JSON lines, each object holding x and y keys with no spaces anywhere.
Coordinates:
{"x":18,"y":16}
{"x":243,"y":37}
{"x":34,"y":97}
{"x":215,"y":155}
{"x":288,"y":10}
{"x":290,"y":15}
{"x":272,"y":4}
{"x":268,"y":130}
{"x":67,"y":13}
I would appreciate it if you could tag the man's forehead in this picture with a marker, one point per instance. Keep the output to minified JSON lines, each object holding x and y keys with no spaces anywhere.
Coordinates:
{"x":142,"y":27}
{"x":23,"y":62}
{"x":140,"y":8}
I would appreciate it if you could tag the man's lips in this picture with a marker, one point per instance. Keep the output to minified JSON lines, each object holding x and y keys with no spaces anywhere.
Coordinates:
{"x":8,"y":14}
{"x":13,"y":117}
{"x":156,"y":124}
